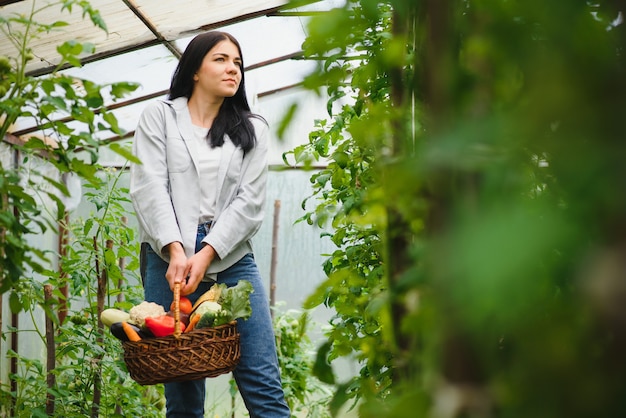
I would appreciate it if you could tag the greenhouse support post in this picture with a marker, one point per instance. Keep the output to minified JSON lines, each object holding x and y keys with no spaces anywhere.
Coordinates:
{"x":274,"y":255}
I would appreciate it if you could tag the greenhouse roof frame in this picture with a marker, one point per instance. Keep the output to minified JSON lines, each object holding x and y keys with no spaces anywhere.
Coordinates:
{"x":138,"y":25}
{"x":132,"y":24}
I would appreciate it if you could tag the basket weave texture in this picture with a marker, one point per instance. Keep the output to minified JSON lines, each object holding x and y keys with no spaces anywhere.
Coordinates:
{"x":197,"y":354}
{"x":205,"y":352}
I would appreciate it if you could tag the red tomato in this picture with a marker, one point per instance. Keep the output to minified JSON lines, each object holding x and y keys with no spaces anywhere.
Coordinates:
{"x":184,"y":304}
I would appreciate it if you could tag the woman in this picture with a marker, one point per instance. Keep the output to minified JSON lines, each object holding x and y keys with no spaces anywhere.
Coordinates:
{"x":199,"y":196}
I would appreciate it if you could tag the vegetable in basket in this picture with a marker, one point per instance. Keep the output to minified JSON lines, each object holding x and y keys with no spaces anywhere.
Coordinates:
{"x":139,"y":313}
{"x":111,"y":316}
{"x":117,"y":329}
{"x":130,"y":332}
{"x":209,"y":313}
{"x":162,"y":326}
{"x":184,"y":306}
{"x":232,"y":303}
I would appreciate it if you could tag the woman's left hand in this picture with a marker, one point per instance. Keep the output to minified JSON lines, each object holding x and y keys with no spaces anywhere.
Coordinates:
{"x":197,"y":266}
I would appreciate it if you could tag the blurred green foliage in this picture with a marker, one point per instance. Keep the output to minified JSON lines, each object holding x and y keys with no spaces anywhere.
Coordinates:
{"x":475,"y":187}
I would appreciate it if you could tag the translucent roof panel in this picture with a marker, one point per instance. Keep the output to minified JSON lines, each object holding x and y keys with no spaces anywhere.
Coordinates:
{"x":130,"y":24}
{"x":124,"y":29}
{"x":145,"y":39}
{"x":150,"y":67}
{"x":264,"y":38}
{"x":277,"y":76}
{"x":175,"y":18}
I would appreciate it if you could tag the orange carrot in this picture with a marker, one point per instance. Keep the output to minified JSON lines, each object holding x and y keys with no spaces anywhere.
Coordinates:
{"x":130,"y":332}
{"x":192,"y":322}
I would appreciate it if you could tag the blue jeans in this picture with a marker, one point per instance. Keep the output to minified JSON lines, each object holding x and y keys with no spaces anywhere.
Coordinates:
{"x":257,"y":374}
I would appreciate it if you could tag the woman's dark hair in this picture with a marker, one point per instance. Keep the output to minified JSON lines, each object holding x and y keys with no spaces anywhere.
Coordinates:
{"x":234,"y":115}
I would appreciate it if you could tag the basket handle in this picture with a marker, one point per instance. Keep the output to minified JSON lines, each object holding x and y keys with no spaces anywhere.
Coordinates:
{"x":176,"y":304}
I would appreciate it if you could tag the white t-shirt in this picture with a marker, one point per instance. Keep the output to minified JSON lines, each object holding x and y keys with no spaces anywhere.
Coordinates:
{"x":208,"y":161}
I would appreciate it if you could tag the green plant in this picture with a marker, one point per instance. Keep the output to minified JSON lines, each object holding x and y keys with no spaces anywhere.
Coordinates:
{"x":348,"y":194}
{"x":304,"y":393}
{"x":45,"y":102}
{"x":86,"y":352}
{"x":89,"y":376}
{"x":495,"y":224}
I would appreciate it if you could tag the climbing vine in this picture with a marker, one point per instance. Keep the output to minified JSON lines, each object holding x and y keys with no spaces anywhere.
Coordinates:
{"x":470,"y":158}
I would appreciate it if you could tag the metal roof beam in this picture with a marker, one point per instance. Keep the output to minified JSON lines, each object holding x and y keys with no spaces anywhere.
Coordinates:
{"x":160,"y":38}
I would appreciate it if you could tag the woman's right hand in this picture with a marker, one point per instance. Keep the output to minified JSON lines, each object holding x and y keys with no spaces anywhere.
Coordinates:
{"x":176,"y":272}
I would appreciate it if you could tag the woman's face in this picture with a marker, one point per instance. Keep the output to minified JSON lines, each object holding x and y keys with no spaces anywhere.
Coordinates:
{"x":219,"y":74}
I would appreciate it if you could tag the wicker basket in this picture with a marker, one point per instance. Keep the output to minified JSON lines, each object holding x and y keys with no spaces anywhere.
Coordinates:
{"x":200,"y":353}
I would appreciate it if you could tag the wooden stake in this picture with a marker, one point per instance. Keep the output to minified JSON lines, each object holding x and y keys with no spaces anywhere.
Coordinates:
{"x":274,"y":255}
{"x":51,"y":354}
{"x":62,"y":243}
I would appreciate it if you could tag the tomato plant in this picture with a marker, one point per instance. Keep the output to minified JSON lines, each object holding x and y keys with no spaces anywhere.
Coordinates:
{"x":473,"y":161}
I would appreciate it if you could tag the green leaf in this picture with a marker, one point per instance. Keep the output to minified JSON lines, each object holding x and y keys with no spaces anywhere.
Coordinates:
{"x":236,"y":299}
{"x":286,"y":120}
{"x":321,"y":368}
{"x":96,"y":19}
{"x":58,"y":102}
{"x":340,"y":397}
{"x":112,"y":121}
{"x":119,"y":90}
{"x":57,"y":185}
{"x":83,"y":114}
{"x":70,"y":48}
{"x":48,"y":86}
{"x":124,"y":152}
{"x":14,"y":302}
{"x":94,"y":101}
{"x":316,"y":298}
{"x":59,"y":24}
